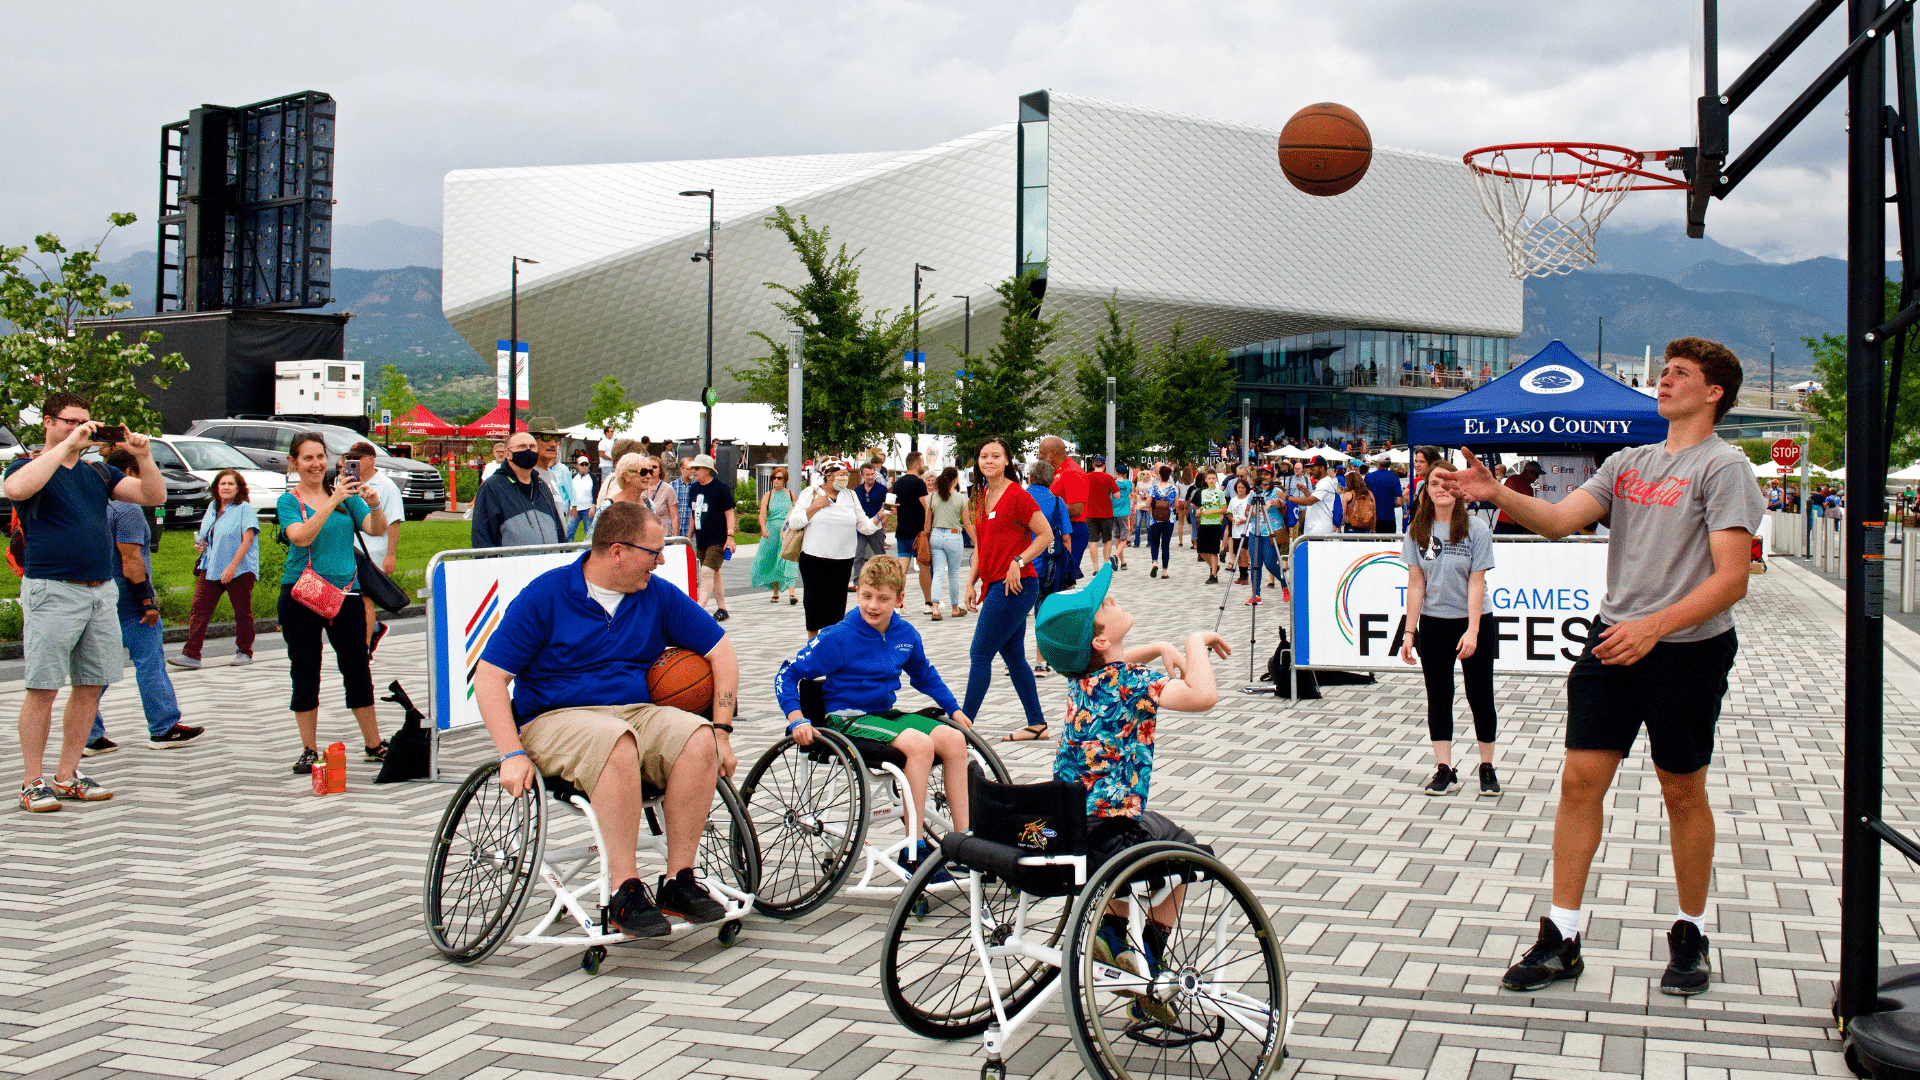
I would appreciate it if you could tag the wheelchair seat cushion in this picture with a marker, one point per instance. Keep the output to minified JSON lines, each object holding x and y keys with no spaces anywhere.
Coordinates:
{"x":876,"y":754}
{"x":563,"y":790}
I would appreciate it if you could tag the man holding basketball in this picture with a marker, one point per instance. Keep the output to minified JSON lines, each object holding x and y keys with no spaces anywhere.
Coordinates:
{"x":576,"y":644}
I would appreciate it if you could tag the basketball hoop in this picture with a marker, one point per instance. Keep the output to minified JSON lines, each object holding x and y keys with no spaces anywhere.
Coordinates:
{"x":1548,"y":199}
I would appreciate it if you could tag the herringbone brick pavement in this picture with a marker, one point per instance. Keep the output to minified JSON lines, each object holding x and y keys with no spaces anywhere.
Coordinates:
{"x":216,"y":921}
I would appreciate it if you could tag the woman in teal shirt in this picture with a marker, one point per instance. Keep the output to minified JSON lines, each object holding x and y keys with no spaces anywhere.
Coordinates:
{"x":318,"y":522}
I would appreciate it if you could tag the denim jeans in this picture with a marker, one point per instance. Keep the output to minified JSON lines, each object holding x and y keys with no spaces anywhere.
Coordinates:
{"x":1002,"y":630}
{"x":1160,"y":542}
{"x":1141,"y":521}
{"x":949,"y":551}
{"x":1263,"y":553}
{"x":1079,"y":550}
{"x":150,"y":674}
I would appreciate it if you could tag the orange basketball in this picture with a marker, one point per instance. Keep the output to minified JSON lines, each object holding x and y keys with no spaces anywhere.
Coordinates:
{"x":681,"y":680}
{"x":1325,"y":149}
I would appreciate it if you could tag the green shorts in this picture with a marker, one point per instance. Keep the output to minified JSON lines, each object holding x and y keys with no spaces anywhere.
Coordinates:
{"x":887,"y":726}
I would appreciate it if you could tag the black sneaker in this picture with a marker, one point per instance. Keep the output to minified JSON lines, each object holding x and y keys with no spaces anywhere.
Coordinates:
{"x":1551,"y":959}
{"x":1688,"y":972}
{"x":101,"y":745}
{"x":720,"y":615}
{"x":1445,"y":782}
{"x":633,"y":913}
{"x":177,"y":735}
{"x":1155,"y":572}
{"x":1213,"y":579}
{"x":309,"y":757}
{"x":1489,"y":783}
{"x":683,"y":898}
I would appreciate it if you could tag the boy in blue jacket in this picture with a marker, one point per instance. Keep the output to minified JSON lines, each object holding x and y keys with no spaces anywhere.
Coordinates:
{"x":860,"y":659}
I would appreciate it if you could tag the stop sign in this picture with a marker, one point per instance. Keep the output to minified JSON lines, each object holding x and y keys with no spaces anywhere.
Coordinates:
{"x":1786,"y":453}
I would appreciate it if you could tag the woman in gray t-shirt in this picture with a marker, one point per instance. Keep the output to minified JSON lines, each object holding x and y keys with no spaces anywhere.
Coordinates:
{"x":1448,"y":553}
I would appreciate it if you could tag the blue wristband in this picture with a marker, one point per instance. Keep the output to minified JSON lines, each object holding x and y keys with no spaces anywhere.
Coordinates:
{"x":797,"y":723}
{"x":516,"y":753}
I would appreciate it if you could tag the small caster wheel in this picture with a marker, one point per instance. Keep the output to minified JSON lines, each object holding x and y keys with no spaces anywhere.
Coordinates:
{"x":993,"y":1070}
{"x":590,"y":960}
{"x":729,"y":933}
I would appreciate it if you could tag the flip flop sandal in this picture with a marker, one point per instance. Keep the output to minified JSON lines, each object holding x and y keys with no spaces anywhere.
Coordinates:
{"x":1027,"y":734}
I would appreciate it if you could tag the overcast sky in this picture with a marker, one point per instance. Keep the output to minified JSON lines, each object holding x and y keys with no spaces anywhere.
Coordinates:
{"x":424,"y":88}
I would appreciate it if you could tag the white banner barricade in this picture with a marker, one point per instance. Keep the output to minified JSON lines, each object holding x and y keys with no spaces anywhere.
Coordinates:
{"x":1350,"y":602}
{"x":468,"y":592}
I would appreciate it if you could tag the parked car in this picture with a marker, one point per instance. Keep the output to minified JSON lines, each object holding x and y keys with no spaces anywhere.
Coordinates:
{"x":188,"y":496}
{"x":205,"y":458}
{"x":266,"y":441}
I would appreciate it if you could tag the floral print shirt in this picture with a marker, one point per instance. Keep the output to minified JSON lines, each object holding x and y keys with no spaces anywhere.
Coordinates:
{"x":1107,"y":746}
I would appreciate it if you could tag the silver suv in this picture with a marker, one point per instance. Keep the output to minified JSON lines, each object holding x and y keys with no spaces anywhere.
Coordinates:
{"x":266,"y":441}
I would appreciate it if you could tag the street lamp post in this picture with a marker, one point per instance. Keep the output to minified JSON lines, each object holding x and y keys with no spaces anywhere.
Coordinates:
{"x":707,"y":396}
{"x":919,"y":361}
{"x":513,"y":347}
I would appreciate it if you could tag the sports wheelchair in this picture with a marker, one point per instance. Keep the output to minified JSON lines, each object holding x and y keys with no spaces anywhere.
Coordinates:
{"x":985,"y":958}
{"x":813,"y":806}
{"x":490,"y":846}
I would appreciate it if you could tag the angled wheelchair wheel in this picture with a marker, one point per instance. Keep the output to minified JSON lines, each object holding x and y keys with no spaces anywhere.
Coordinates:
{"x":729,"y":851}
{"x":938,"y":814}
{"x":485,"y":856}
{"x":809,"y":806}
{"x":931,"y":975}
{"x":1211,"y":1001}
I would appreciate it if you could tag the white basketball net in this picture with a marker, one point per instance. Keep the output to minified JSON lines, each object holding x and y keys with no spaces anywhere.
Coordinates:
{"x":1548,"y":201}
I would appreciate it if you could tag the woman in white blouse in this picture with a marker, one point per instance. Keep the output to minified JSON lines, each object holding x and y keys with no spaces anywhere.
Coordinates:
{"x":829,"y":511}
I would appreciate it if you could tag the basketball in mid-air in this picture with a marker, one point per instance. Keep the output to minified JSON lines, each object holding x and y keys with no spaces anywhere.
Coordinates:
{"x":681,"y":680}
{"x":1325,"y":149}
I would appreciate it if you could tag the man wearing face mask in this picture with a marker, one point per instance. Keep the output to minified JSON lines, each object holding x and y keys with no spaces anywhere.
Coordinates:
{"x":515,"y":507}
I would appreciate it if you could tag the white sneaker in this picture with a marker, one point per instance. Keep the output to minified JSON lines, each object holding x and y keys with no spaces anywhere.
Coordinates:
{"x":241,"y":659}
{"x":182,"y":662}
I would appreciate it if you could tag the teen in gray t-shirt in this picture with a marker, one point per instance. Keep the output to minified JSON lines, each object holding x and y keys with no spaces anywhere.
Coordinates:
{"x":1447,"y":567}
{"x":1659,"y":509}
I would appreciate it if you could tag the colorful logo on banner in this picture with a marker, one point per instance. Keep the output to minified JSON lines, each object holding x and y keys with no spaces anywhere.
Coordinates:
{"x":480,"y":627}
{"x":1343,"y":592}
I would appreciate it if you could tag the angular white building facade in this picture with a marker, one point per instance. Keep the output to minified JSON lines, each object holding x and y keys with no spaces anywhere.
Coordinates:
{"x":1176,"y":216}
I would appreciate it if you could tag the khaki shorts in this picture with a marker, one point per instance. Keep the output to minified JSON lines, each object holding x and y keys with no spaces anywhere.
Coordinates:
{"x":576,"y":743}
{"x":712,"y":557}
{"x":72,"y":633}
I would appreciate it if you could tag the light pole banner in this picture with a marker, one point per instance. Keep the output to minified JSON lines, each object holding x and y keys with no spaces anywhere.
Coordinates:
{"x":500,"y":376}
{"x":1350,"y":602}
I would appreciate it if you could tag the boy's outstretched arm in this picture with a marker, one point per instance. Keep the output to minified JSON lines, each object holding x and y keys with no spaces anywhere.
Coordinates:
{"x":1195,"y":691}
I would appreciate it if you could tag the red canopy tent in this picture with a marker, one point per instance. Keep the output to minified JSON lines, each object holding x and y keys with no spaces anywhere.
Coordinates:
{"x":494,"y":423}
{"x":420,"y":421}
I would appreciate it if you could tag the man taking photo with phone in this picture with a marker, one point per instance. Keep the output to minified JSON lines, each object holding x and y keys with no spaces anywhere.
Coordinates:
{"x":67,"y":591}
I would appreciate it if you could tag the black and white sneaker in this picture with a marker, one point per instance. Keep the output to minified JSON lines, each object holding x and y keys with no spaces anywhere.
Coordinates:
{"x":1688,"y":972}
{"x":1489,"y":783}
{"x":1551,"y":959}
{"x":1445,"y":782}
{"x":633,"y":912}
{"x":683,"y":898}
{"x":177,"y":735}
{"x":309,"y":757}
{"x":101,"y":745}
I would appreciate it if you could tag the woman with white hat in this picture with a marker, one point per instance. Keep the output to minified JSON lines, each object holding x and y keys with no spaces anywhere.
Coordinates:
{"x":830,"y":514}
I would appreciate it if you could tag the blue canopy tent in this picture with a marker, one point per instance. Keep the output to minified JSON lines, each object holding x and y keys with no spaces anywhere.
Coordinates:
{"x":1554,"y":401}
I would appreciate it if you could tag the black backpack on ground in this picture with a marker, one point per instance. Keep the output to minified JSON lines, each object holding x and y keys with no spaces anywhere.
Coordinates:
{"x":409,"y":752}
{"x":1307,"y":682}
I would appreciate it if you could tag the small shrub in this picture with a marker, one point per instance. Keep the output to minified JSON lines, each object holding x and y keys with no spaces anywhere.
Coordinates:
{"x":750,"y":523}
{"x":743,"y":492}
{"x":12,"y":620}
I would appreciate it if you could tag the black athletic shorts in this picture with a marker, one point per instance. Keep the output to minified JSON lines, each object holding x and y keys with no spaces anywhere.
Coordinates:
{"x":1107,"y":837}
{"x":1675,"y":690}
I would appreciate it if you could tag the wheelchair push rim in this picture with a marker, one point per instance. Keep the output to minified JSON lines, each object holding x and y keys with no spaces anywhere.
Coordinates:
{"x":729,"y":851}
{"x":809,"y":805}
{"x":1216,"y":1002}
{"x":485,"y":855}
{"x":930,"y":971}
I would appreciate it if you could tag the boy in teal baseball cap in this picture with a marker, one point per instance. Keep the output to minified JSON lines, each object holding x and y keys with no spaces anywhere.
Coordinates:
{"x":1113,"y":700}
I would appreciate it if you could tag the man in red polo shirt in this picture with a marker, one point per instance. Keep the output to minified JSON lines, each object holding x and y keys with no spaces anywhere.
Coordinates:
{"x":1070,"y":487}
{"x":1101,"y":488}
{"x":1520,"y":483}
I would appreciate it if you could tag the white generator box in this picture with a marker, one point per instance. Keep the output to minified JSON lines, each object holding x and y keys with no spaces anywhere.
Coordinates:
{"x":319,"y":388}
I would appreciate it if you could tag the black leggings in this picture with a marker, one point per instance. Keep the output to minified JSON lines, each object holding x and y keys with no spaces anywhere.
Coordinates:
{"x":825,"y":602}
{"x":303,"y":629}
{"x":1436,"y":640}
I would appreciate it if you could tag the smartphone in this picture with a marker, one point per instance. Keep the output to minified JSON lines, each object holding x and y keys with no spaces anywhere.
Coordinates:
{"x":110,"y":433}
{"x":350,"y":469}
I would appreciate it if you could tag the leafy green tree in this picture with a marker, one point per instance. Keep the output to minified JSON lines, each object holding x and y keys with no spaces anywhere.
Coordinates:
{"x":1007,"y":390}
{"x":609,"y":407}
{"x":51,"y":347}
{"x":1193,"y":382}
{"x":396,"y":396}
{"x":1116,"y":353}
{"x":852,"y":376}
{"x":1830,"y":371}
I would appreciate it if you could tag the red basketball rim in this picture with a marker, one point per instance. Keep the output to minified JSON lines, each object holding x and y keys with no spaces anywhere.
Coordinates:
{"x":1588,"y":154}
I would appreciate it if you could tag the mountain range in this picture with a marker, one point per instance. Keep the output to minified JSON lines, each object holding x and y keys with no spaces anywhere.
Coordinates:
{"x":1647,"y":288}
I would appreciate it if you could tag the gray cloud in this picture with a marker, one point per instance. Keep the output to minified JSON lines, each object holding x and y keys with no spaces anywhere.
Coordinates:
{"x":424,"y":89}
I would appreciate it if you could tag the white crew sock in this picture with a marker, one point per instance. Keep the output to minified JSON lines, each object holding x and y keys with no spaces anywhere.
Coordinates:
{"x":1567,"y":920}
{"x":1699,"y":921}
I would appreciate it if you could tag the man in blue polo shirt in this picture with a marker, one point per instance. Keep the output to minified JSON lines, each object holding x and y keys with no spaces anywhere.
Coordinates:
{"x":1387,"y":496}
{"x":576,"y":644}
